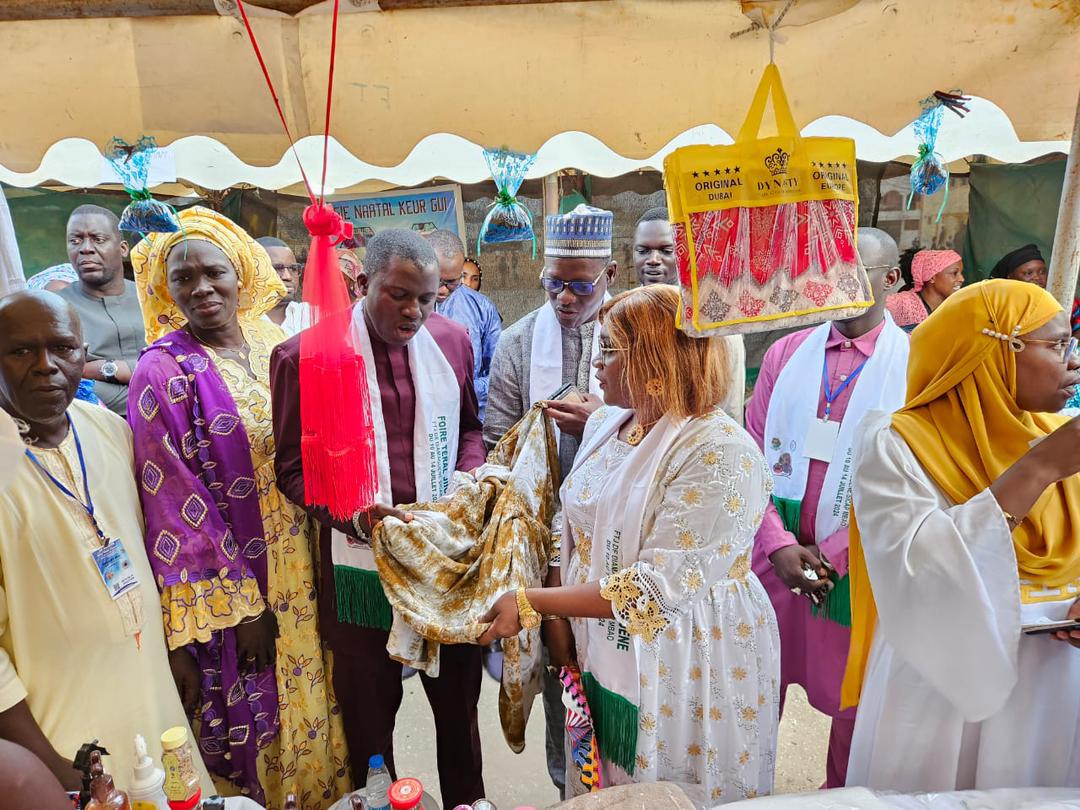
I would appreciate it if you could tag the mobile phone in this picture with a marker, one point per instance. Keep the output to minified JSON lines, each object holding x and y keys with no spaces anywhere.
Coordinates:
{"x":1045,"y":628}
{"x":567,"y":392}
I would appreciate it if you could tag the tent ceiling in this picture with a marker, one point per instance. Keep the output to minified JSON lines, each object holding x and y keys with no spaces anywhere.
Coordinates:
{"x":632,"y":73}
{"x":68,"y":9}
{"x":208,"y":164}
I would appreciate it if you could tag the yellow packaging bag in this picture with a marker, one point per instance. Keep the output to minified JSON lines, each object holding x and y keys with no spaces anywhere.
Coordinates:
{"x":765,"y":228}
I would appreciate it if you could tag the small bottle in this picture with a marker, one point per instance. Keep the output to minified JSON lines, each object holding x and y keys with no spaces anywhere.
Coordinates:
{"x":358,"y":801}
{"x":103,"y":793}
{"x":147,"y":791}
{"x":378,"y":783}
{"x":290,"y":802}
{"x":406,"y":794}
{"x":181,"y":781}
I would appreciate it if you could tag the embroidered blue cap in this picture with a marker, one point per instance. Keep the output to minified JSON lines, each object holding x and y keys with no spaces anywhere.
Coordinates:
{"x":584,"y":233}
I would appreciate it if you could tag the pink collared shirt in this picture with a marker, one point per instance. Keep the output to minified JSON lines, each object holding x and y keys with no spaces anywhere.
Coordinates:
{"x":842,"y":356}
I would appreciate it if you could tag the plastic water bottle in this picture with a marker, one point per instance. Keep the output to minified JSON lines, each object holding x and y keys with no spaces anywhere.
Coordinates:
{"x":378,"y":784}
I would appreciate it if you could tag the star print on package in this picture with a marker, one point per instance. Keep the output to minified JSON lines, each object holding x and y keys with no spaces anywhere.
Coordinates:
{"x":765,"y":228}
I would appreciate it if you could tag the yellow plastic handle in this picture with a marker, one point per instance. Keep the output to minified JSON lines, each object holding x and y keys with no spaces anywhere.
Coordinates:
{"x":770,"y":84}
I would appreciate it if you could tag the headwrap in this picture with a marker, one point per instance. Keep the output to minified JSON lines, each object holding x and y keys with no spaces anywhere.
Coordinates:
{"x":584,"y":233}
{"x":58,"y":272}
{"x":928,"y":263}
{"x":1010,"y":261}
{"x":260,"y":287}
{"x":964,"y":427}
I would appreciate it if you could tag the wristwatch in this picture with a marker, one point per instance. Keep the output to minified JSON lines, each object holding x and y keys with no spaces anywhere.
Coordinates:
{"x":108,"y":370}
{"x":527,"y":614}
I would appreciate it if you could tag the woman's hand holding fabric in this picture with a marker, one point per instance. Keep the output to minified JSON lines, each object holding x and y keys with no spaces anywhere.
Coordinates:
{"x":185,"y":672}
{"x":559,"y":639}
{"x":790,"y":563}
{"x":504,"y":619}
{"x":255,"y":642}
{"x":1072,"y":636}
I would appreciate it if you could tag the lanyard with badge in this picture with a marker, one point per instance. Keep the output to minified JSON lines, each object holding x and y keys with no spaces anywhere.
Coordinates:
{"x":822,"y":433}
{"x":111,"y":560}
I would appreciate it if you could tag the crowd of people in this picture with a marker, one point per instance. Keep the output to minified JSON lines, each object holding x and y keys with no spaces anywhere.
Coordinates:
{"x":886,"y":542}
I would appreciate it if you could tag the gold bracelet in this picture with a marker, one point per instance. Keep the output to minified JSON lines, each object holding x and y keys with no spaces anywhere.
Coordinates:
{"x":1012,"y":520}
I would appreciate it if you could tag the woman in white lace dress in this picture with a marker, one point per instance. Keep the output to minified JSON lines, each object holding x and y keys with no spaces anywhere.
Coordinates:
{"x":674,"y":635}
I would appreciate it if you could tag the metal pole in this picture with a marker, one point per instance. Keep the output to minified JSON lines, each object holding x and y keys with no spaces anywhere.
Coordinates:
{"x":1065,"y":261}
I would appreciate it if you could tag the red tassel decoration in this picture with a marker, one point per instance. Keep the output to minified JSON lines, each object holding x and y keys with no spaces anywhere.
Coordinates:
{"x":337,"y":439}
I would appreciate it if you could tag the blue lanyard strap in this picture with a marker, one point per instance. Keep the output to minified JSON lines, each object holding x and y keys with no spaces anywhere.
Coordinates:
{"x":830,"y":396}
{"x":88,"y":506}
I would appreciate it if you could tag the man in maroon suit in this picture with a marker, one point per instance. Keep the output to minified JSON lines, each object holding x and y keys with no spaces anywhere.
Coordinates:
{"x":418,"y":357}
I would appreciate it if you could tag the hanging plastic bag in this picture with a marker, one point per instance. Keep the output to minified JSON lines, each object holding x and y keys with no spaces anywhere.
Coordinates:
{"x":929,"y":172}
{"x":143,"y":214}
{"x":508,"y":220}
{"x":765,"y":228}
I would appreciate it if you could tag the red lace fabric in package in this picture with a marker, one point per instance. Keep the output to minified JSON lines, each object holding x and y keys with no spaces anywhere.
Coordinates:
{"x":765,"y":228}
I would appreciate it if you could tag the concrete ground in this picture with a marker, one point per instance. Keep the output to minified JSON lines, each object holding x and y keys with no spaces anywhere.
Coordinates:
{"x":521,"y":779}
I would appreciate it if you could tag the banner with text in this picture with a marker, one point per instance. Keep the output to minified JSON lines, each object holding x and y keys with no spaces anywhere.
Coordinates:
{"x":435,"y":208}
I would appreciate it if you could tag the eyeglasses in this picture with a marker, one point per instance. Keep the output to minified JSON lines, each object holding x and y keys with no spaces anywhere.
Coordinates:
{"x":1067,"y":346}
{"x":608,"y":352}
{"x":292,"y":268}
{"x":581,"y":289}
{"x":451,"y":285}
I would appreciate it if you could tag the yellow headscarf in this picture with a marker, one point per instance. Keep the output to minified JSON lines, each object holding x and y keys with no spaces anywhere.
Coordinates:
{"x":260,"y":287}
{"x":963,"y":425}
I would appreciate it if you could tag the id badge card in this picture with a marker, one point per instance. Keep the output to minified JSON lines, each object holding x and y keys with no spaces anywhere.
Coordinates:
{"x":115,"y":568}
{"x":821,"y":439}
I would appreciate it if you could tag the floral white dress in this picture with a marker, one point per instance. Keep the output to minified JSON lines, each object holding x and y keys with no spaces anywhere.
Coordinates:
{"x":706,"y":639}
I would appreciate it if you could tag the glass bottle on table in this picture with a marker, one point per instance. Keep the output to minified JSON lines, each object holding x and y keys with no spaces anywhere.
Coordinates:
{"x":104,"y":795}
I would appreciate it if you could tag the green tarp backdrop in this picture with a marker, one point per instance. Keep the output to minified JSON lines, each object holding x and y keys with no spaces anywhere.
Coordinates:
{"x":1008,"y":207}
{"x":41,"y":215}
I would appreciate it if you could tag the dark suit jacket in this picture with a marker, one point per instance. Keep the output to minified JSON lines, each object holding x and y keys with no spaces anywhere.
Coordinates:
{"x":398,"y":395}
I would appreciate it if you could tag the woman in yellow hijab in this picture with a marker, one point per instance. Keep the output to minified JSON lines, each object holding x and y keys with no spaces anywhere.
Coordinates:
{"x":232,"y":557}
{"x":967,"y":505}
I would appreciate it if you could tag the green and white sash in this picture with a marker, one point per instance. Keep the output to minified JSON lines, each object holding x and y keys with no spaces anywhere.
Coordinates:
{"x":881,"y":385}
{"x":360,"y":598}
{"x":611,"y":675}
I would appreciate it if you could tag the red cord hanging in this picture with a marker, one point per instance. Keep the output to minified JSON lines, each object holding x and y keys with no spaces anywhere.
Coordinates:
{"x":337,"y":436}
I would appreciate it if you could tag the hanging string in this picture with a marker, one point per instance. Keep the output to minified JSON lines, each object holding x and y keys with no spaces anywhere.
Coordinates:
{"x":277,"y":103}
{"x":757,"y":25}
{"x":329,"y":103}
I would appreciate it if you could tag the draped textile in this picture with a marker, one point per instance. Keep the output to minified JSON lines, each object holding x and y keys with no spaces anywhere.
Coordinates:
{"x":203,"y":524}
{"x":444,"y":570}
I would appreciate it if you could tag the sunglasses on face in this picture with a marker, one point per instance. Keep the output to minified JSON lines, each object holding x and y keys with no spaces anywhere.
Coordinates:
{"x":581,"y":289}
{"x":450,"y":285}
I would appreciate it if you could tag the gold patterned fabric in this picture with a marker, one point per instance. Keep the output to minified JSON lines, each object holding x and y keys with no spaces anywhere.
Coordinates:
{"x":442,"y":572}
{"x":260,"y":287}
